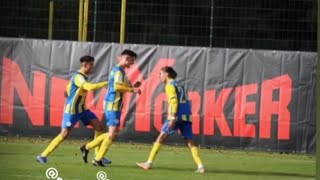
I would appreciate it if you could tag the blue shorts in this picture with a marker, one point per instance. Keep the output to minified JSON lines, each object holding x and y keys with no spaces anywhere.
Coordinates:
{"x":69,"y":120}
{"x":112,"y":118}
{"x":185,"y":128}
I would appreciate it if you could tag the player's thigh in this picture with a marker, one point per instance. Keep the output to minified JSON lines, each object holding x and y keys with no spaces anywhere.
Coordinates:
{"x":112,"y":118}
{"x":89,"y":118}
{"x":96,"y":124}
{"x":185,"y":128}
{"x":69,"y":120}
{"x":165,"y":128}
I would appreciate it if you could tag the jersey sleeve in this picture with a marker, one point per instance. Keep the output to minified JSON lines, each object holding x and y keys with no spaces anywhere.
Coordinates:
{"x":84,"y":84}
{"x":118,"y":77}
{"x":93,"y":86}
{"x":79,"y":80}
{"x":172,"y":99}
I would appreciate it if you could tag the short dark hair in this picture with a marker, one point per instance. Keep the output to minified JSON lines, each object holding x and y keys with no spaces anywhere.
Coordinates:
{"x":129,"y":53}
{"x":86,"y":59}
{"x":171,"y":72}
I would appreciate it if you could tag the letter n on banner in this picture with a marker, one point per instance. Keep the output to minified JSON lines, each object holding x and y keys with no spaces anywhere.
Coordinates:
{"x":33,"y":103}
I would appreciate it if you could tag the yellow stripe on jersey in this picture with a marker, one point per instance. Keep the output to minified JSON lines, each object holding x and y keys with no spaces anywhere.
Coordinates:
{"x":118,"y":77}
{"x":67,"y":110}
{"x":120,"y":84}
{"x":109,"y":108}
{"x":68,"y":88}
{"x":116,"y":102}
{"x":79,"y":80}
{"x":184,"y":117}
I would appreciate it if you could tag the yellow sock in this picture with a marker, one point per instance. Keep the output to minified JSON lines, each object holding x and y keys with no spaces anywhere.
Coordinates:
{"x":96,"y":142}
{"x":195,"y":155}
{"x":154,"y":152}
{"x":52,"y":146}
{"x":105,"y":145}
{"x":96,"y":135}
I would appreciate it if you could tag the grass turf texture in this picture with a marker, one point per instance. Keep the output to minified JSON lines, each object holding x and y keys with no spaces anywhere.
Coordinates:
{"x":18,"y":161}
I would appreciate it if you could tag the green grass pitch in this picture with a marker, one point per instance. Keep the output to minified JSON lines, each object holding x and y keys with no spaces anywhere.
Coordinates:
{"x":18,"y":161}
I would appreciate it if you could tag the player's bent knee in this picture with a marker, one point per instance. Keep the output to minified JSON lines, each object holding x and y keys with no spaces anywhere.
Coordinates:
{"x":190,"y":143}
{"x":161,"y":138}
{"x":113,"y":136}
{"x":64,"y":135}
{"x":99,"y":128}
{"x":96,"y":125}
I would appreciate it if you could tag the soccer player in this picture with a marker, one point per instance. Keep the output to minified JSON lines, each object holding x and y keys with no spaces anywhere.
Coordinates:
{"x":75,"y":108}
{"x":179,"y":117}
{"x":118,"y":85}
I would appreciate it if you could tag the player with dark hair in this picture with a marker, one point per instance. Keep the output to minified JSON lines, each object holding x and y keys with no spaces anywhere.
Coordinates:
{"x":179,"y":117}
{"x":75,"y":108}
{"x":118,"y":85}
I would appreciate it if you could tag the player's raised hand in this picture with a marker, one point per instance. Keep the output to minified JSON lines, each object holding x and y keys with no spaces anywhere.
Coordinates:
{"x":137,"y":84}
{"x":137,"y":91}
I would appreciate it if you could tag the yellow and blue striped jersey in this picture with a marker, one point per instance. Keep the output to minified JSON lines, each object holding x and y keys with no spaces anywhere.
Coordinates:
{"x":118,"y":85}
{"x":178,"y":101}
{"x":76,"y":94}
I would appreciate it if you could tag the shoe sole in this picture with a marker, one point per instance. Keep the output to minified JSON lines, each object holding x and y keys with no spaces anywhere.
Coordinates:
{"x":42,"y":162}
{"x":97,"y":165}
{"x":200,"y":172}
{"x":103,"y":163}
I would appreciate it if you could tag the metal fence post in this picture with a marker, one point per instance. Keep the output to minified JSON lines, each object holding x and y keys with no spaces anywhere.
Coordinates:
{"x":80,"y":24}
{"x":50,"y":26}
{"x":123,"y":21}
{"x":318,"y":98}
{"x":95,"y":20}
{"x":211,"y":23}
{"x":85,"y":20}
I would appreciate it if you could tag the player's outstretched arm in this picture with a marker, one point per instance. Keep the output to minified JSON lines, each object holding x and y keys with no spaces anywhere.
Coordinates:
{"x":93,"y":86}
{"x":120,"y":87}
{"x":82,"y":83}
